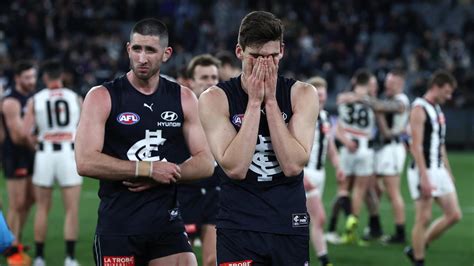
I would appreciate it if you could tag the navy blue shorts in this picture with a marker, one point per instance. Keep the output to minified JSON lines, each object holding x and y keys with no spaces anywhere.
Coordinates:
{"x":138,"y":249}
{"x":238,"y":247}
{"x":198,"y":206}
{"x":18,"y":164}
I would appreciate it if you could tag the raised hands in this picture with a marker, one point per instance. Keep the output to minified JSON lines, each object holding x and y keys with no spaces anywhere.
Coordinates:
{"x":260,"y":78}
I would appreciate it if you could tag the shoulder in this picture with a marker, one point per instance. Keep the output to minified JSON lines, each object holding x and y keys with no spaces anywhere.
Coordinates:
{"x":303,"y":89}
{"x":214,"y":97}
{"x":98,"y":95}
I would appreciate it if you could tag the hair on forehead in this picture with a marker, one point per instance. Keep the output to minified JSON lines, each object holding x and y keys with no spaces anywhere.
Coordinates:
{"x":202,"y":60}
{"x":258,"y":28}
{"x":442,"y":77}
{"x":151,"y":27}
{"x":318,"y":82}
{"x":22,"y":65}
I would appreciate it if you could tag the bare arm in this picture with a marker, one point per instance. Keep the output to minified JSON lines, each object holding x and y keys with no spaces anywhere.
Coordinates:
{"x":444,"y":153}
{"x":384,"y":106}
{"x":201,"y":163}
{"x":334,"y":157}
{"x":417,"y":122}
{"x":232,"y":150}
{"x":12,"y":112}
{"x":29,"y":122}
{"x":292,"y":144}
{"x":90,"y":140}
{"x":341,"y":136}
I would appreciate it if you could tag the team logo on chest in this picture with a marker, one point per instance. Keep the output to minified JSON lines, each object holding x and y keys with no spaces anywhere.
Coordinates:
{"x":128,"y":118}
{"x":264,"y":161}
{"x":147,"y":148}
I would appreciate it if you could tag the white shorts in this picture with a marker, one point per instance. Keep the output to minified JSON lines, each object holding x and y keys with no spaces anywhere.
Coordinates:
{"x":359,"y":163}
{"x":438,"y":177}
{"x":390,"y":159}
{"x":316,"y":178}
{"x":56,"y":164}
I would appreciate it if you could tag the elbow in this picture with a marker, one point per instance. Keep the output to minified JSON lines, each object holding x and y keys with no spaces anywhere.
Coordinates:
{"x":291,"y":169}
{"x":236,"y":174}
{"x":82,"y":166}
{"x":208,"y":169}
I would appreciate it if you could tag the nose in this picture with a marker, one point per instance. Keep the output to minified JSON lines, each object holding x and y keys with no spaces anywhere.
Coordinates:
{"x":141,"y":58}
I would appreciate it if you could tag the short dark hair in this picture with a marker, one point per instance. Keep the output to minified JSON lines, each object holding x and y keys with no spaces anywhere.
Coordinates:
{"x":53,"y":68}
{"x":440,"y":78}
{"x":21,"y":66}
{"x":153,"y":27}
{"x":362,"y":77}
{"x":202,"y":60}
{"x":258,"y":28}
{"x":227,"y":58}
{"x":399,"y":72}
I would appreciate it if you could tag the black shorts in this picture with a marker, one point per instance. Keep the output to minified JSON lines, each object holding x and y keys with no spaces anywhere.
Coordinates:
{"x":198,"y":206}
{"x":18,"y":164}
{"x":138,"y":249}
{"x":238,"y":247}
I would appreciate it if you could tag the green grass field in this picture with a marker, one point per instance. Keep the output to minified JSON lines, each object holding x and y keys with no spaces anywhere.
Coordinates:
{"x":454,"y":248}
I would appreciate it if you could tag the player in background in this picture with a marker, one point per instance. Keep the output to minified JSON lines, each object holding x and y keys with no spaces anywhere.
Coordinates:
{"x":315,"y":175}
{"x":17,"y":155}
{"x":430,"y":177}
{"x":198,"y":200}
{"x":52,"y":115}
{"x":229,"y":67}
{"x":392,"y":118}
{"x":355,"y":129}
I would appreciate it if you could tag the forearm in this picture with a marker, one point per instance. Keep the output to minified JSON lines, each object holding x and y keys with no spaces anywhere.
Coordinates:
{"x":101,"y":166}
{"x":446,"y":161}
{"x":238,"y":155}
{"x":291,"y":154}
{"x":333,"y":155}
{"x":417,"y":153}
{"x":198,"y":166}
{"x":384,"y":106}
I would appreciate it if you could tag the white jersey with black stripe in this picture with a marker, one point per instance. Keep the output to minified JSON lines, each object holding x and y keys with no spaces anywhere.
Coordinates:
{"x":357,"y":120}
{"x":320,"y":142}
{"x":57,"y":114}
{"x":434,"y":132}
{"x":400,"y":120}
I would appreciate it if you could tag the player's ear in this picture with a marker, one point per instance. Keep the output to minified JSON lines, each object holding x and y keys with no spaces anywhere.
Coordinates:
{"x":167,"y":54}
{"x":128,"y":46}
{"x":239,"y":52}
{"x":282,"y":50}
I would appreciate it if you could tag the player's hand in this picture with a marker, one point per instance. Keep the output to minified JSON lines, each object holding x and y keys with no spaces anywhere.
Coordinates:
{"x":340,"y":176}
{"x":271,"y":76}
{"x":253,"y":79}
{"x":165,"y":172}
{"x":139,"y":184}
{"x":351,"y":146}
{"x":425,"y":186}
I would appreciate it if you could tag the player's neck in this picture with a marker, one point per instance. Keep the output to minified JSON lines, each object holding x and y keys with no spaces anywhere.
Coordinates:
{"x":56,"y":84}
{"x":430,"y":97}
{"x":144,"y":86}
{"x":21,"y":90}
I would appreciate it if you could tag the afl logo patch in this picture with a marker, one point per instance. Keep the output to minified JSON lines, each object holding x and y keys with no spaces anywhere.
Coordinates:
{"x":169,"y":116}
{"x":128,"y":118}
{"x":237,"y":119}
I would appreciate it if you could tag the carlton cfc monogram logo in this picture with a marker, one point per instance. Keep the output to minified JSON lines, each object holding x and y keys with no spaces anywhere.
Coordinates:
{"x":147,"y":148}
{"x":264,"y":162}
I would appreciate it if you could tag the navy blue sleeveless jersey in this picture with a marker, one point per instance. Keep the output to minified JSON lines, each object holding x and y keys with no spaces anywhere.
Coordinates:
{"x":10,"y":149}
{"x":266,"y":200}
{"x":148,"y":128}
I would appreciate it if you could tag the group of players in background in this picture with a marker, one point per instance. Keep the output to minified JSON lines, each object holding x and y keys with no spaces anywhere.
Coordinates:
{"x":167,"y":165}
